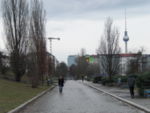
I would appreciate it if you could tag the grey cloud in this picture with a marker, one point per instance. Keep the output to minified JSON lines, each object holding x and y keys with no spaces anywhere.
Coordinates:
{"x":90,"y":8}
{"x":79,"y":8}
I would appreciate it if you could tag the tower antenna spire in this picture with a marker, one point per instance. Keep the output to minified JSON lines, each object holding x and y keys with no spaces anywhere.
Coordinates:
{"x":125,"y":21}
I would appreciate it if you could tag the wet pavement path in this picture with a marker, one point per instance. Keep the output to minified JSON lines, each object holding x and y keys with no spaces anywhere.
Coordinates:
{"x":123,"y":93}
{"x":78,"y":98}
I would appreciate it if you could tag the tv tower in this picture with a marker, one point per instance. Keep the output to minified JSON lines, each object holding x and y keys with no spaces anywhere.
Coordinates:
{"x":126,"y":38}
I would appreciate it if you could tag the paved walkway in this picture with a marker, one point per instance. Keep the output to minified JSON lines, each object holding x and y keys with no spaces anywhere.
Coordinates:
{"x":124,"y":93}
{"x":78,"y":98}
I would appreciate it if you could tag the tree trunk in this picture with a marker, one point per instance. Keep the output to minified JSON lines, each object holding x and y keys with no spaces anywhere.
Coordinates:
{"x":35,"y":82}
{"x":18,"y":77}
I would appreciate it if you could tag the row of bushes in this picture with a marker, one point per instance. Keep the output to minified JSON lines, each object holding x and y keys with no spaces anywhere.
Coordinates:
{"x":105,"y":80}
{"x":142,"y":81}
{"x":114,"y":79}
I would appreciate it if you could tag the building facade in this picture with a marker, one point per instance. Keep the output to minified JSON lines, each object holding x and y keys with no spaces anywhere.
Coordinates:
{"x":128,"y":63}
{"x":72,"y":60}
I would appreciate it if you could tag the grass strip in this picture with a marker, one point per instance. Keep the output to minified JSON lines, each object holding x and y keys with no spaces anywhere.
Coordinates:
{"x":12,"y":94}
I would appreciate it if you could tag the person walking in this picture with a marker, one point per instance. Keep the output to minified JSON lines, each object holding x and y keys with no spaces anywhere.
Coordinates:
{"x":61,"y":83}
{"x":82,"y":78}
{"x":131,"y":83}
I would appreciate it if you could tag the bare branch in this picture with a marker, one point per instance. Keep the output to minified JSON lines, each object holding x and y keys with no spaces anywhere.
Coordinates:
{"x":37,"y":41}
{"x":109,"y":49}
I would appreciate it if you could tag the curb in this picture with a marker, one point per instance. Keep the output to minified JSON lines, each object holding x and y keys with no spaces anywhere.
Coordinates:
{"x":22,"y":106}
{"x":121,"y":99}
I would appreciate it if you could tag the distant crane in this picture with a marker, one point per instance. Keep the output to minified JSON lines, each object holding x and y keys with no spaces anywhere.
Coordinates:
{"x":50,"y":39}
{"x":52,"y":56}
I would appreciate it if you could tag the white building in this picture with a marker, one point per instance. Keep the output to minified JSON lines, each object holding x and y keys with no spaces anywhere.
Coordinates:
{"x":124,"y":62}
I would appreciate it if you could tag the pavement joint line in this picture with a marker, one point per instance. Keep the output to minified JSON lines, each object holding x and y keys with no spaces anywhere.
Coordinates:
{"x":22,"y":106}
{"x":121,"y":99}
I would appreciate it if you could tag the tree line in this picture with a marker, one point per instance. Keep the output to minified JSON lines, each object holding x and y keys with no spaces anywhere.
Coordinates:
{"x":24,"y":27}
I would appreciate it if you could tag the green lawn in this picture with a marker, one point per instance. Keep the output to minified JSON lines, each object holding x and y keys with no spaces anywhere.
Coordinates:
{"x":13,"y":94}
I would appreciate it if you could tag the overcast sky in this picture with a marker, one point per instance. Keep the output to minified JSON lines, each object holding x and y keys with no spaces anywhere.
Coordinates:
{"x":80,"y":24}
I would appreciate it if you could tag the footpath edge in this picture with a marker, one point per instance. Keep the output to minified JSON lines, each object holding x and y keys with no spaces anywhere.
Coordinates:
{"x":142,"y":108}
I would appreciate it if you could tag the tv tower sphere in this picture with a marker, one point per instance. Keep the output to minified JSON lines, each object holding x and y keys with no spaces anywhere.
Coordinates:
{"x":125,"y":38}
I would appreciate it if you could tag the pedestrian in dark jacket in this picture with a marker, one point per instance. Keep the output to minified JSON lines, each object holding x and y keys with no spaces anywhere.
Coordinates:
{"x":82,"y":78}
{"x":60,"y":83}
{"x":131,"y":83}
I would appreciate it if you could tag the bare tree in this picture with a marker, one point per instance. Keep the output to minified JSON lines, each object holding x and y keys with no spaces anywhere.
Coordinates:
{"x":38,"y":42}
{"x":133,"y":66}
{"x":109,"y":50}
{"x":1,"y":61}
{"x":136,"y":64}
{"x":15,"y":17}
{"x":93,"y":69}
{"x":82,"y":64}
{"x":73,"y":71}
{"x":62,"y":70}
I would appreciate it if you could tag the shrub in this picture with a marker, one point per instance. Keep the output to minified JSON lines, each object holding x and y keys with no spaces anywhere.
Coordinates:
{"x":97,"y":79}
{"x":88,"y":78}
{"x":143,"y":82}
{"x":123,"y":78}
{"x":106,"y":81}
{"x":115,"y":78}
